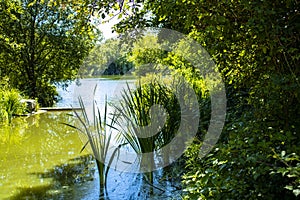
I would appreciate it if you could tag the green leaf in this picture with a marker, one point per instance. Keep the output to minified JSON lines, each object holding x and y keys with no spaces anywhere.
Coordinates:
{"x":264,"y":50}
{"x":296,"y":192}
{"x":289,"y":187}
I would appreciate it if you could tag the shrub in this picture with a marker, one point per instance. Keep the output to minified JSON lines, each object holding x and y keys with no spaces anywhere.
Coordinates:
{"x":246,"y":166}
{"x":10,"y":102}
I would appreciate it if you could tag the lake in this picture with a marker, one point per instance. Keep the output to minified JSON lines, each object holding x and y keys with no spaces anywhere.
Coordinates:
{"x":40,"y":157}
{"x":109,"y":89}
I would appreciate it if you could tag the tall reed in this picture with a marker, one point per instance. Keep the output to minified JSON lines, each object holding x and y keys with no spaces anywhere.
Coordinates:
{"x":98,"y":136}
{"x":147,"y":119}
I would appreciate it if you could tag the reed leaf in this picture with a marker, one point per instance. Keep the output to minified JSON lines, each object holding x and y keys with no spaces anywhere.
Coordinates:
{"x":98,"y":137}
{"x":133,"y":120}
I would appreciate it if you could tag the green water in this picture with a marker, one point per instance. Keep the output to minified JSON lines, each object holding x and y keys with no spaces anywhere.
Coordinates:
{"x":40,"y":157}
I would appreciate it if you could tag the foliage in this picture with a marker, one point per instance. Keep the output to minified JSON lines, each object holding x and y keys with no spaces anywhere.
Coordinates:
{"x":255,"y":45}
{"x":147,"y":119}
{"x":291,"y":170}
{"x":152,"y":63}
{"x":104,"y":55}
{"x":43,"y":43}
{"x":146,"y":55}
{"x":10,"y":102}
{"x":236,"y":170}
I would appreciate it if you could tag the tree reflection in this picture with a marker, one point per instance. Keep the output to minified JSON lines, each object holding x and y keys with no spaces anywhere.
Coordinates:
{"x":40,"y":144}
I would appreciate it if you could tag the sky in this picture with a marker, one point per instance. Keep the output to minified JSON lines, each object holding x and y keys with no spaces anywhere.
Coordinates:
{"x":106,"y":28}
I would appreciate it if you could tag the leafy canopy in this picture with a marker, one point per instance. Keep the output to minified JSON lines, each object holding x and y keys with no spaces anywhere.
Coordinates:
{"x":43,"y":42}
{"x":255,"y":45}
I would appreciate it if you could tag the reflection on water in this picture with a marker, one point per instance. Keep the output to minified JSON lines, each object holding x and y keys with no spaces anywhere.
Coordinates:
{"x":63,"y":178}
{"x":106,"y":89}
{"x":40,"y":159}
{"x":14,"y":133}
{"x":34,"y":147}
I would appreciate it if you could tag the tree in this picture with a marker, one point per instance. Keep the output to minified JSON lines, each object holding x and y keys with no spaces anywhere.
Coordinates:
{"x":146,"y":55}
{"x":108,"y":58}
{"x":255,"y":45}
{"x":42,"y":43}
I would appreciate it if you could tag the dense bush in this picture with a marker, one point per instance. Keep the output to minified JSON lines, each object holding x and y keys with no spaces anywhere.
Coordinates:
{"x":258,"y":154}
{"x":246,"y":167}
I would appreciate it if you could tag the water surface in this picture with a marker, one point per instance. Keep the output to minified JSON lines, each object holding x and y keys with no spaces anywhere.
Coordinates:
{"x":106,"y":89}
{"x":40,"y":157}
{"x":35,"y":151}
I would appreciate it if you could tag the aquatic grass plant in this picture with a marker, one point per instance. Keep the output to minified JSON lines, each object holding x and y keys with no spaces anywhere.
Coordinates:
{"x":147,"y":118}
{"x":98,"y":136}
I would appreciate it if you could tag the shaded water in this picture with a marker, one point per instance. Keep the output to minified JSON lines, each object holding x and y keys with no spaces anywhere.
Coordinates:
{"x":40,"y":158}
